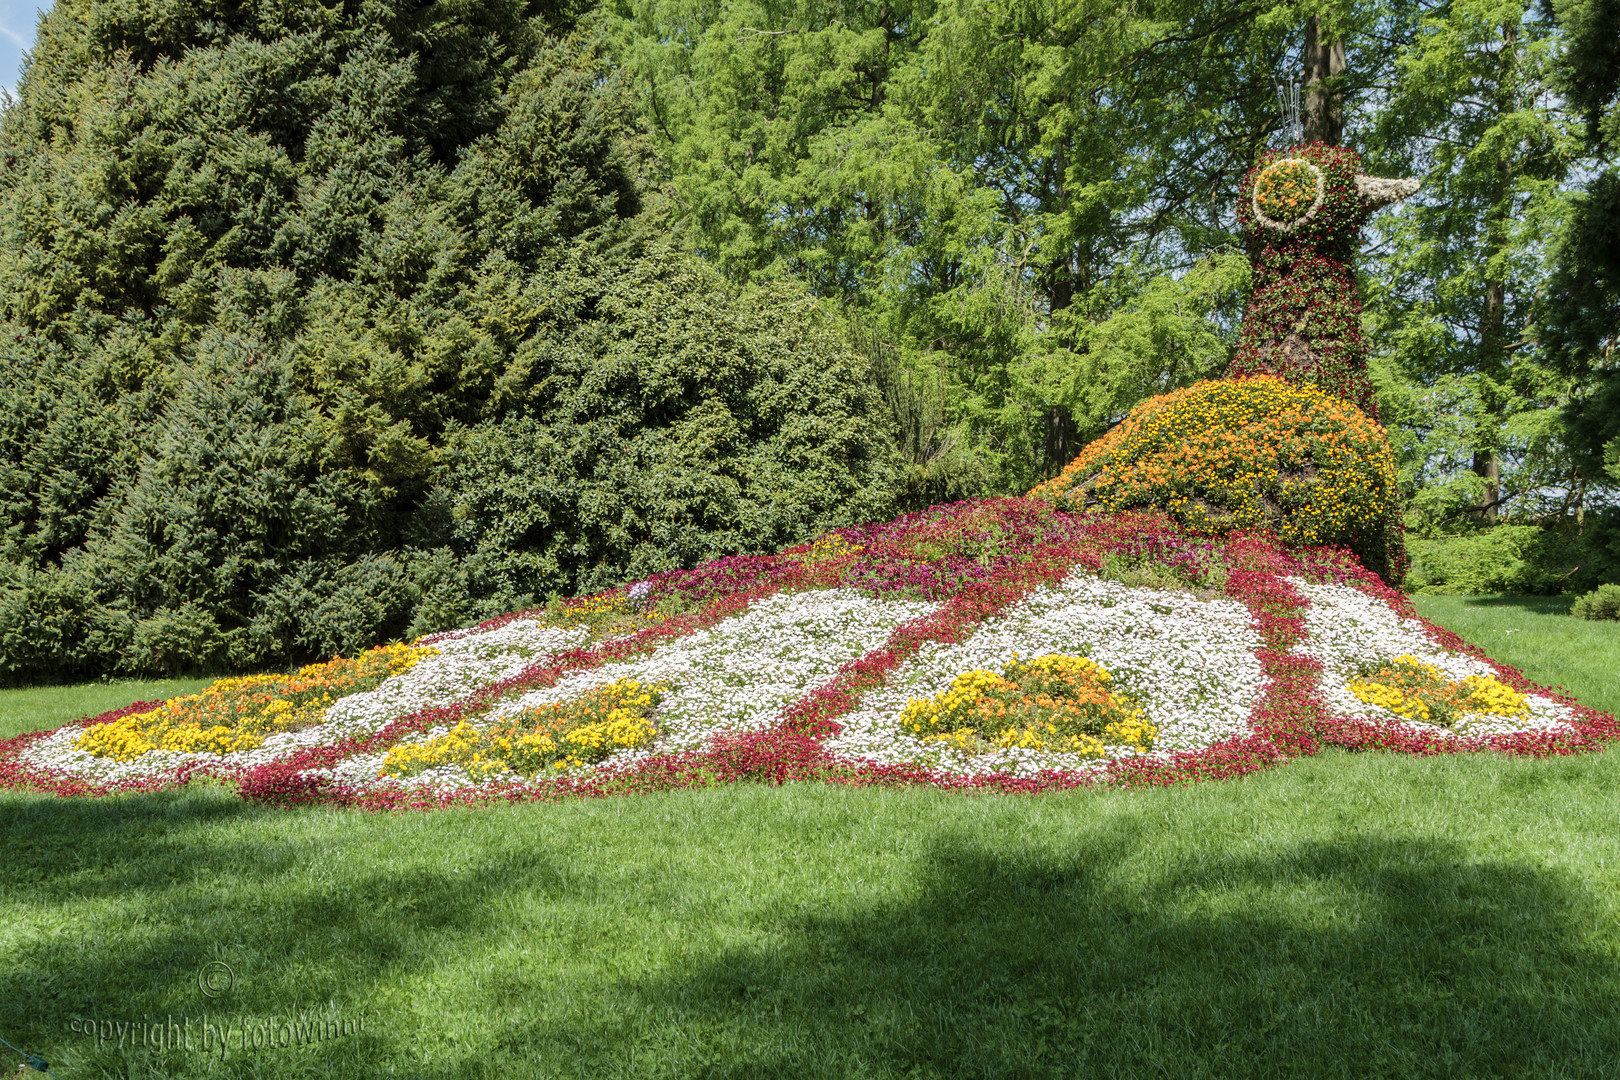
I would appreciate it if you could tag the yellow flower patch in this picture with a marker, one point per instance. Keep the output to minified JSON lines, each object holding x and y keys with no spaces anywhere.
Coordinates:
{"x":551,"y":738}
{"x":1408,"y":687}
{"x":1052,"y":702}
{"x":236,"y":714}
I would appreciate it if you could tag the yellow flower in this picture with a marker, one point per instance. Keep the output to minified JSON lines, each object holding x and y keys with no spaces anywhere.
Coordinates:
{"x":1048,"y":703}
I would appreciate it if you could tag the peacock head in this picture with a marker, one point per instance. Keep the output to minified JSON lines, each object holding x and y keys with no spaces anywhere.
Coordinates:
{"x":1315,"y":194}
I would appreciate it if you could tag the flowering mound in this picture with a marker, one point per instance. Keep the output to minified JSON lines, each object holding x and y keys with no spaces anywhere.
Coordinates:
{"x":1001,"y":645}
{"x":1221,"y":457}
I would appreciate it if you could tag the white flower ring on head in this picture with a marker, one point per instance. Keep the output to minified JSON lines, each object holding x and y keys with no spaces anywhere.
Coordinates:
{"x":1316,"y":204}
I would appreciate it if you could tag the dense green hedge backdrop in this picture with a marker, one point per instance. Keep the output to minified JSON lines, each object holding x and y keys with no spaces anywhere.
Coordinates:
{"x":327,"y":322}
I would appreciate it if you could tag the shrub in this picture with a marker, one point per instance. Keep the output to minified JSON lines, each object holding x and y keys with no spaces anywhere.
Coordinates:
{"x":683,"y":424}
{"x":1496,"y":559}
{"x":1257,"y":453}
{"x":1602,"y":602}
{"x":53,"y":626}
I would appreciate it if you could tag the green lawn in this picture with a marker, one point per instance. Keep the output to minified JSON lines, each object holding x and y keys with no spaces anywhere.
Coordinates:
{"x":36,"y":707}
{"x":1537,"y":635}
{"x":1342,"y":916}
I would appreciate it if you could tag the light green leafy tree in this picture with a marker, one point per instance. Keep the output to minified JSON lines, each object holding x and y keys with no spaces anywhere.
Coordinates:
{"x":1456,"y":280}
{"x":1027,"y":201}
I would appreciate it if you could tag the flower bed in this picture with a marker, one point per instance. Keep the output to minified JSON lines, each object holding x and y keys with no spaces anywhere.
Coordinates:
{"x":998,"y":645}
{"x":1232,"y":455}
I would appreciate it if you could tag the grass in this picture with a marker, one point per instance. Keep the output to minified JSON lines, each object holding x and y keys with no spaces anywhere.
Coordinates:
{"x":1537,"y":635}
{"x":1345,"y":915}
{"x":34,"y":708}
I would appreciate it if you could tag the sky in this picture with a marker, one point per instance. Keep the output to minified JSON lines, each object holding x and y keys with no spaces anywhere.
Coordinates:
{"x":17,"y":21}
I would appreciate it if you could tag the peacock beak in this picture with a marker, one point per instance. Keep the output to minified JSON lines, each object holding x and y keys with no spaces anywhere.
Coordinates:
{"x":1378,"y":191}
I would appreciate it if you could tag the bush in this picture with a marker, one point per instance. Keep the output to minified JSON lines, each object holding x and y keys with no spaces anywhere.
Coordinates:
{"x":1496,"y":559}
{"x":687,"y":425}
{"x":54,"y":625}
{"x":1602,"y":602}
{"x":1255,"y":453}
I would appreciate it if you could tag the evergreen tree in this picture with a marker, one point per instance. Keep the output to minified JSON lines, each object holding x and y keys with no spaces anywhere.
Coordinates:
{"x":275,"y":276}
{"x":1454,"y":289}
{"x":1581,"y":324}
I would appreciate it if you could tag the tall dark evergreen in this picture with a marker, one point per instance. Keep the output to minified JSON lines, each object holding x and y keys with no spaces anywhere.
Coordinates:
{"x":329,"y":322}
{"x":1581,"y":324}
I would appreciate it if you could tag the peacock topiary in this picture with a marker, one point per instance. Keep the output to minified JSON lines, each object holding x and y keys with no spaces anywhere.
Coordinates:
{"x":1301,"y":211}
{"x":1289,"y":442}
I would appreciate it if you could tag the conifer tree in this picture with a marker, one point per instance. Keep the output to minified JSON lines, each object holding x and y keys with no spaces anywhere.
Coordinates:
{"x":289,"y":291}
{"x":1582,"y":320}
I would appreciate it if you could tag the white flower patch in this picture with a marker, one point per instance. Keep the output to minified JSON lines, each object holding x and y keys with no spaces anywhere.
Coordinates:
{"x":1190,"y":663}
{"x":736,"y":676}
{"x":462,"y":666}
{"x":1346,"y":628}
{"x":56,"y":751}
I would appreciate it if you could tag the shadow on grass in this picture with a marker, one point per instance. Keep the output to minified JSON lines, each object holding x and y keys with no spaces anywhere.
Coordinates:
{"x":1530,"y":605}
{"x":1355,"y":957}
{"x":131,"y":898}
{"x":1359,"y":958}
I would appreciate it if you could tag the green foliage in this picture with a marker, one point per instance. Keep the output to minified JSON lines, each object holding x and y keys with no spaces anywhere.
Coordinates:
{"x":937,"y":462}
{"x":683,"y":426}
{"x":1435,"y":430}
{"x":1458,"y":278}
{"x":1144,"y":335}
{"x":1499,"y":559}
{"x":1581,"y":324}
{"x":1602,"y":602}
{"x":1589,"y":69}
{"x":991,"y":186}
{"x":326,"y":325}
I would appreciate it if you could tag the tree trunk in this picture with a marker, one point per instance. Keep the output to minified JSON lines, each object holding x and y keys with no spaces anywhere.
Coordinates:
{"x":1493,"y":309}
{"x":1322,"y":109}
{"x":1489,"y":467}
{"x":1059,"y":422}
{"x":1060,"y":429}
{"x":1060,"y":448}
